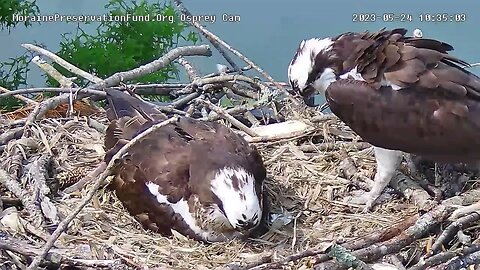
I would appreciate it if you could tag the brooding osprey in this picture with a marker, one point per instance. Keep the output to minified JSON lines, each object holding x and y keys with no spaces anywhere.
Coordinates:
{"x":198,"y":178}
{"x":401,"y":94}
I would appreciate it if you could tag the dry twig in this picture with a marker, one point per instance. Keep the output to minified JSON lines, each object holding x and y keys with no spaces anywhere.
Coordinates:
{"x":452,"y":229}
{"x":54,"y":90}
{"x":22,"y":98}
{"x":99,"y":181}
{"x":423,"y":225}
{"x":444,"y":257}
{"x":12,"y":185}
{"x":228,"y":117}
{"x":56,"y":256}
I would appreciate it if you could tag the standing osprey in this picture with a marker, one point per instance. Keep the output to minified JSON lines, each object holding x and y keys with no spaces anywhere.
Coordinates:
{"x":198,"y":178}
{"x":401,"y":94}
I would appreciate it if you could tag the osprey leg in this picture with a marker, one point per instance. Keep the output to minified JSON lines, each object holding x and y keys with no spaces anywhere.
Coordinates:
{"x":387,"y":162}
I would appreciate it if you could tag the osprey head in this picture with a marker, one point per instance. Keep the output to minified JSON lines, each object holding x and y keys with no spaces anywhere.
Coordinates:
{"x":238,"y":196}
{"x":312,"y":68}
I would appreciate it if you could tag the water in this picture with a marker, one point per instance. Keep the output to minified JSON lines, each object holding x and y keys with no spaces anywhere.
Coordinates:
{"x":269,"y":30}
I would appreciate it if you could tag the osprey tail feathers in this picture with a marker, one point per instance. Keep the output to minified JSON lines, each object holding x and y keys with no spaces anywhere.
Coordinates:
{"x":127,"y":115}
{"x":121,"y":104}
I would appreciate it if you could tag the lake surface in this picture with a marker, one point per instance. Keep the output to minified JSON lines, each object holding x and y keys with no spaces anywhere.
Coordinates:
{"x":270,"y":30}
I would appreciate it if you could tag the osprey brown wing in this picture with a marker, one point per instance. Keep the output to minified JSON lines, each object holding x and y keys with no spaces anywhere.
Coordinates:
{"x":414,"y":120}
{"x":158,"y":158}
{"x":218,"y":134}
{"x":411,"y":62}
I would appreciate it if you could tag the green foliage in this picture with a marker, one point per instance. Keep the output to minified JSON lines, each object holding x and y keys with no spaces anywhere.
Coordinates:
{"x":19,"y":7}
{"x":13,"y":73}
{"x":124,"y":45}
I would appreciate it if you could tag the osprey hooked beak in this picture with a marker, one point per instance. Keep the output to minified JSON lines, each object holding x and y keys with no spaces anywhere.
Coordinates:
{"x":307,"y":93}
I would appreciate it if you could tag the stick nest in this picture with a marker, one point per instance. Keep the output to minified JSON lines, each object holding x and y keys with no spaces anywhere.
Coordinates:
{"x":306,"y":190}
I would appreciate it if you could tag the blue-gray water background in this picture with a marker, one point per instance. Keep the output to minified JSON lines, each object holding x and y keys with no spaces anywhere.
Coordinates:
{"x":269,"y":30}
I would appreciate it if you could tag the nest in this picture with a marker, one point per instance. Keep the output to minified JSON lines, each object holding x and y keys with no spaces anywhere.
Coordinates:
{"x":305,"y":185}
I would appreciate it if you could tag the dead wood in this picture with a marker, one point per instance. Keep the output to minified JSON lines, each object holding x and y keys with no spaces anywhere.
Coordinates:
{"x":323,"y":118}
{"x":411,"y":190}
{"x":192,"y":73}
{"x":376,"y":251}
{"x":463,"y":261}
{"x":55,"y":256}
{"x":52,"y":72}
{"x":13,"y":133}
{"x":13,"y":186}
{"x":444,"y":257}
{"x":181,"y":102}
{"x":96,"y":124}
{"x":22,"y":98}
{"x":162,"y":62}
{"x":349,"y":170}
{"x":452,"y":229}
{"x":17,"y":152}
{"x":38,"y":174}
{"x":118,"y":77}
{"x":68,"y":66}
{"x":228,"y":117}
{"x":212,"y":38}
{"x":54,"y":90}
{"x":334,"y":146}
{"x":235,"y":91}
{"x":353,"y":245}
{"x":229,"y":78}
{"x":99,"y":181}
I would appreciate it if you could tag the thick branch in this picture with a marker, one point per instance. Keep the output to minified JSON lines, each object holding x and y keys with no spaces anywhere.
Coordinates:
{"x":192,"y":73}
{"x":116,"y":78}
{"x":411,"y":190}
{"x":228,"y":78}
{"x":444,"y":257}
{"x":453,"y":228}
{"x":160,"y":63}
{"x":63,"y":63}
{"x":50,"y":70}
